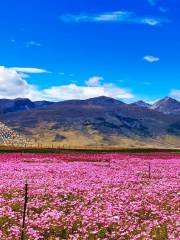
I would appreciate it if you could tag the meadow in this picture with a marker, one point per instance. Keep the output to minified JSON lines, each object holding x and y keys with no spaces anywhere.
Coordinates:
{"x":115,"y":196}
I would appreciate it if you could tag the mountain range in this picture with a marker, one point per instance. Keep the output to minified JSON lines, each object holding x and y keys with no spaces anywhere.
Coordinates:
{"x":96,"y":121}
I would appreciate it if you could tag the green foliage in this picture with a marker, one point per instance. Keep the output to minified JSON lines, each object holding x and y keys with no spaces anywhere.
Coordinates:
{"x":16,"y":207}
{"x":159,"y":232}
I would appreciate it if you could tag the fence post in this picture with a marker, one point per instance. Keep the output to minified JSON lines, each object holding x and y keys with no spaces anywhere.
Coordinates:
{"x":149,"y":168}
{"x":24,"y":210}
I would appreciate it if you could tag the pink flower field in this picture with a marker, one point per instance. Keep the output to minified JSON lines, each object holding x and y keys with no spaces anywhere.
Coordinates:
{"x":91,"y":196}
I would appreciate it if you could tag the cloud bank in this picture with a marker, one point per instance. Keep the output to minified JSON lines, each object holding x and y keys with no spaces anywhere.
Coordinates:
{"x":13,"y":84}
{"x":116,"y":16}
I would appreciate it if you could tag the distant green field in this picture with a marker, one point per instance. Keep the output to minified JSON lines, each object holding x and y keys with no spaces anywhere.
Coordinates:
{"x":86,"y":150}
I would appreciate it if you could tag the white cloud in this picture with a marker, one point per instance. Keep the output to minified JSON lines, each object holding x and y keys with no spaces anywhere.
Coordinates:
{"x":151,"y":21}
{"x":29,"y":70}
{"x":116,"y":16}
{"x":175,"y":93}
{"x":13,"y":84}
{"x":73,"y":91}
{"x":33,"y":44}
{"x":94,"y":81}
{"x":151,"y":59}
{"x":112,"y":16}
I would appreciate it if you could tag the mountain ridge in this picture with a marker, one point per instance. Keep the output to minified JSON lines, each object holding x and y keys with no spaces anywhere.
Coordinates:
{"x":97,"y":120}
{"x":141,"y":103}
{"x":166,"y":105}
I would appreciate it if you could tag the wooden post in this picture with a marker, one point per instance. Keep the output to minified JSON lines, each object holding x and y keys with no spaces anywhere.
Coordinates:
{"x":149,"y":165}
{"x":24,"y":211}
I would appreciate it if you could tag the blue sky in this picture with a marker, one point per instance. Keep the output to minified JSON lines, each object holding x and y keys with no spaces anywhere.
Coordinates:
{"x":66,"y":49}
